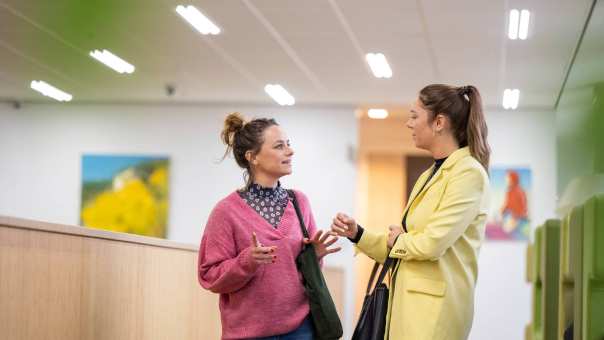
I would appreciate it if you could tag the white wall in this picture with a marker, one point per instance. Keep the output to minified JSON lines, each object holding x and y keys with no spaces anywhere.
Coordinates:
{"x":503,"y":298}
{"x":41,"y":148}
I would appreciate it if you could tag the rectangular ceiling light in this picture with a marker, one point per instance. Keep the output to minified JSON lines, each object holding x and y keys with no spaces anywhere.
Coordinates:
{"x":519,"y":24}
{"x":511,"y":97}
{"x":377,"y":113}
{"x":199,"y":21}
{"x":50,"y":91}
{"x":111,"y":60}
{"x":513,"y":25}
{"x":379,"y":65}
{"x":524,"y":24}
{"x":279,"y":94}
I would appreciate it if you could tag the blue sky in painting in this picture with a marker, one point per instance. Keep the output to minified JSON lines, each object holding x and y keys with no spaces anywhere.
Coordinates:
{"x":104,"y":167}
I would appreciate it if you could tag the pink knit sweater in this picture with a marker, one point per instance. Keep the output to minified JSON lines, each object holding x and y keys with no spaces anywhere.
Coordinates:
{"x":255,"y":300}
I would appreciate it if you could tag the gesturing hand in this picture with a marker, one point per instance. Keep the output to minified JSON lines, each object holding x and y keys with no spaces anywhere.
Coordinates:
{"x":395,"y":230}
{"x":260,"y":254}
{"x":321,"y":243}
{"x":344,"y":225}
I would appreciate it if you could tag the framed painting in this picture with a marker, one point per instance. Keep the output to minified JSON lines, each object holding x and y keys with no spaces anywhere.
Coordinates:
{"x":509,"y":216}
{"x":127,"y":194}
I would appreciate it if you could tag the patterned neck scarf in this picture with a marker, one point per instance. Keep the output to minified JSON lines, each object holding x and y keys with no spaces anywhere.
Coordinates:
{"x":269,"y":203}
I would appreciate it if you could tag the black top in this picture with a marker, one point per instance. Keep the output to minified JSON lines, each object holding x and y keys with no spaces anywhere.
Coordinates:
{"x":437,"y":164}
{"x":269,"y":203}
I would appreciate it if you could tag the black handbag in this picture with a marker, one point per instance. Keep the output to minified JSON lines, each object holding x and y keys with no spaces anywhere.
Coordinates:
{"x":322,"y":309}
{"x":372,"y":321}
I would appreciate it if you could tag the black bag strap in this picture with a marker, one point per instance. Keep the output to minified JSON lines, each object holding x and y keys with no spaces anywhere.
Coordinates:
{"x":385,"y":267}
{"x":292,"y":195}
{"x":371,"y":277}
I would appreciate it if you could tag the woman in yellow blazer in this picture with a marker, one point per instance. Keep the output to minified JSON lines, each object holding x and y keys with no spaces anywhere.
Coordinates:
{"x":443,"y":224}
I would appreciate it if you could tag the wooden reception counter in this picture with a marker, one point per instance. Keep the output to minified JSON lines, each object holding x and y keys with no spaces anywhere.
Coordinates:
{"x":69,"y":282}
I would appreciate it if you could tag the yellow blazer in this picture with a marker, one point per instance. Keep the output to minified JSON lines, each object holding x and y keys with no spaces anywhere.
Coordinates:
{"x":433,"y":293}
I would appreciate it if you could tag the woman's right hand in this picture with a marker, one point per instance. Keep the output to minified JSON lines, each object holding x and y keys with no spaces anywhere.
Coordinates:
{"x":345,"y":226}
{"x":261,"y":254}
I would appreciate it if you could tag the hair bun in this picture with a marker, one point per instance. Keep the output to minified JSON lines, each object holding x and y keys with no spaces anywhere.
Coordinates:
{"x":233,"y":123}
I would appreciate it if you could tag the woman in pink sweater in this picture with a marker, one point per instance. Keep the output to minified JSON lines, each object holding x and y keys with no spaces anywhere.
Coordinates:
{"x":252,"y":237}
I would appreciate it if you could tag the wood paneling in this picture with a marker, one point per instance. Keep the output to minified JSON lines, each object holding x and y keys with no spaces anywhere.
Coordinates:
{"x":61,"y":282}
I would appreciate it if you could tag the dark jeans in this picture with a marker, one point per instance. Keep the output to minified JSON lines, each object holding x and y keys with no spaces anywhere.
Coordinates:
{"x":304,"y":332}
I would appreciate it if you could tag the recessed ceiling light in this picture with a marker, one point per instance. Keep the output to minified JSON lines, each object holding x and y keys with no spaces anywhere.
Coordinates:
{"x":524,"y":24}
{"x":199,"y":21}
{"x":377,"y":113}
{"x":50,"y":91}
{"x":519,"y":24}
{"x":511,"y":97}
{"x":379,"y":65}
{"x":111,"y":60}
{"x":279,"y":94}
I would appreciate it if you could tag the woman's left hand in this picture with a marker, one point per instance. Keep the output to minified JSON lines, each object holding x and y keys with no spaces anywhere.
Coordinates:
{"x":395,"y":231}
{"x":321,"y":243}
